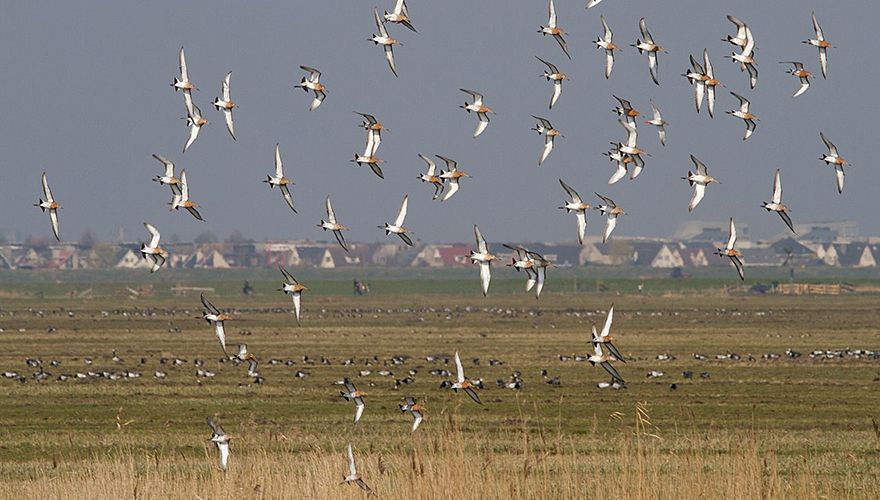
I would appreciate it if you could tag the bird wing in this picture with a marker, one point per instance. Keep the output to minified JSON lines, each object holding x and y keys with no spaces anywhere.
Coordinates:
{"x":618,"y":174}
{"x":699,"y":192}
{"x":832,"y":149}
{"x":379,"y":24}
{"x":352,"y":469}
{"x":805,"y":84}
{"x":609,"y":63}
{"x":417,"y":419}
{"x":750,"y":41}
{"x":46,"y":191}
{"x":606,"y":329}
{"x":731,"y":239}
{"x":478,"y":98}
{"x":331,"y":216}
{"x":699,"y":88}
{"x":551,"y":66}
{"x":739,"y":267}
{"x":184,"y":186}
{"x":777,"y":187}
{"x":609,"y":227}
{"x":473,"y":394}
{"x":371,"y":146}
{"x":279,"y":166}
{"x":548,"y":147}
{"x":224,"y":455}
{"x":208,"y":305}
{"x":632,"y":134}
{"x":53,"y":218}
{"x":287,"y":276}
{"x":432,"y":167}
{"x":227,"y":94}
{"x":571,"y":192}
{"x":195,"y":213}
{"x":285,"y":192}
{"x":614,"y":352}
{"x":608,"y":201}
{"x":453,"y":188}
{"x":817,"y":28}
{"x":154,"y":240}
{"x":221,"y":335}
{"x":169,"y":167}
{"x":401,"y":214}
{"x":823,"y":61}
{"x":541,"y":273}
{"x":743,"y":102}
{"x":656,"y":112}
{"x":581,"y":225}
{"x":643,"y":27}
{"x":481,"y":242}
{"x":608,"y":36}
{"x":661,"y":131}
{"x":485,"y":276}
{"x":184,"y":73}
{"x":230,"y":125}
{"x":340,"y":239}
{"x":838,"y":172}
{"x":700,"y":166}
{"x":710,"y":72}
{"x":481,"y":124}
{"x":358,"y":409}
{"x":319,"y":98}
{"x":458,"y":368}
{"x":370,"y":118}
{"x":611,"y":370}
{"x":787,"y":219}
{"x":314,"y":75}
{"x":194,"y":129}
{"x":215,"y":427}
{"x":551,"y":14}
{"x":389,"y":56}
{"x":557,"y":91}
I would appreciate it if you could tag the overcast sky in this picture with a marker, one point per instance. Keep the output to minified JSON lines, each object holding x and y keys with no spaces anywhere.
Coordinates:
{"x":86,"y":97}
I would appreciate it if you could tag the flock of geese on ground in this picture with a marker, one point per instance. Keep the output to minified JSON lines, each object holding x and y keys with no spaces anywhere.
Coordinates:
{"x":447,"y":182}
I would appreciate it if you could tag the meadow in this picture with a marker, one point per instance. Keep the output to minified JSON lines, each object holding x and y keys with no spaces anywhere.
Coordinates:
{"x":746,"y":424}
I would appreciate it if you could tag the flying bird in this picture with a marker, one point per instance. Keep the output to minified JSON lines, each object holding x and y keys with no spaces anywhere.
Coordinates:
{"x":183,"y":83}
{"x":550,"y":134}
{"x":353,"y":476}
{"x":293,"y":287}
{"x":245,"y":356}
{"x":557,"y":77}
{"x":351,"y":393}
{"x":647,"y":44}
{"x":181,"y":199}
{"x":431,"y":176}
{"x":604,"y":360}
{"x":51,"y":205}
{"x":482,"y":257}
{"x":741,"y":39}
{"x":331,"y":225}
{"x":746,"y":58}
{"x":621,"y":159}
{"x":400,"y":15}
{"x":313,"y":83}
{"x":626,"y":110}
{"x":415,"y":409}
{"x":152,"y":250}
{"x":226,"y":104}
{"x":593,"y":3}
{"x":799,"y":71}
{"x":385,"y":41}
{"x":696,"y":75}
{"x":822,"y":44}
{"x":699,"y":180}
{"x":168,"y":178}
{"x":605,"y":337}
{"x":576,"y":204}
{"x":731,"y":252}
{"x":480,"y":109}
{"x":832,"y":157}
{"x":606,"y":43}
{"x":631,"y":148}
{"x":524,"y":262}
{"x":710,"y":82}
{"x":213,"y":316}
{"x":745,"y":115}
{"x":611,"y":211}
{"x":195,"y":121}
{"x":221,"y":440}
{"x":374,"y":138}
{"x":775,"y":204}
{"x":397,"y":228}
{"x":453,"y":175}
{"x":279,"y":180}
{"x":658,"y":122}
{"x":552,"y":29}
{"x":464,"y":384}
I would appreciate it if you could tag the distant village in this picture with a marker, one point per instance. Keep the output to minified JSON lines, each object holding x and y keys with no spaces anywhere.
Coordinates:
{"x":832,"y":244}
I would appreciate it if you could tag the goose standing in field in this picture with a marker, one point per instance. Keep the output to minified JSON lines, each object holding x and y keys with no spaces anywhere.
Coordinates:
{"x":745,"y":115}
{"x":524,"y":261}
{"x":775,"y":204}
{"x":647,"y":44}
{"x":400,"y":15}
{"x":397,"y":228}
{"x":550,"y":134}
{"x":699,"y":180}
{"x":183,"y":83}
{"x":152,"y":250}
{"x":431,"y":177}
{"x":658,"y":122}
{"x":479,"y":108}
{"x":731,"y":252}
{"x":605,"y":337}
{"x":293,"y":287}
{"x":385,"y":41}
{"x":51,"y":205}
{"x":822,"y":44}
{"x":453,"y":175}
{"x":213,"y":316}
{"x":799,"y":71}
{"x":462,"y":383}
{"x":606,"y":42}
{"x":195,"y":121}
{"x":181,"y":199}
{"x":279,"y":180}
{"x":226,"y":104}
{"x":168,"y":178}
{"x":611,"y":211}
{"x":576,"y":204}
{"x":351,"y":393}
{"x":604,"y":360}
{"x":482,"y":257}
{"x":313,"y":83}
{"x":832,"y":157}
{"x":552,"y":29}
{"x":353,"y":476}
{"x":415,"y":409}
{"x":221,"y":440}
{"x":557,"y":77}
{"x":332,"y":225}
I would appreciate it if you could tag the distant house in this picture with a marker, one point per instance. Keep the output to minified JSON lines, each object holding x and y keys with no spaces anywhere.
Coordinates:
{"x":206,"y":258}
{"x":828,"y":255}
{"x":128,"y":259}
{"x":455,"y":255}
{"x":285,"y":254}
{"x":428,"y":256}
{"x":855,"y":255}
{"x":4,"y":262}
{"x":30,"y":259}
{"x":613,"y":253}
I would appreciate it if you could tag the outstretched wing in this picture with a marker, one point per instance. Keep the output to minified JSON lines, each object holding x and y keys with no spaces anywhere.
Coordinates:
{"x":575,"y":198}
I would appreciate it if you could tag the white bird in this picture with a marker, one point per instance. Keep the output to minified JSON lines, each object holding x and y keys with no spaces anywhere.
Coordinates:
{"x":621,"y":160}
{"x":51,"y":205}
{"x":710,"y":82}
{"x":611,"y":211}
{"x":799,"y":71}
{"x":746,"y":58}
{"x":331,"y":225}
{"x":313,"y":83}
{"x":152,"y":250}
{"x":576,"y":205}
{"x":353,"y":476}
{"x":480,"y":109}
{"x":631,"y":149}
{"x":524,"y":261}
{"x":213,"y":316}
{"x":415,"y":409}
{"x":432,"y":177}
{"x":552,"y":29}
{"x":647,"y":44}
{"x":731,"y":252}
{"x":168,"y":178}
{"x":606,"y":42}
{"x":351,"y":393}
{"x":605,"y":337}
{"x":482,"y":257}
{"x":776,"y":205}
{"x":453,"y":175}
{"x":195,"y":121}
{"x":385,"y":41}
{"x":604,"y":360}
{"x":183,"y":83}
{"x":397,"y":228}
{"x":293,"y":287}
{"x":822,"y":44}
{"x":658,"y":122}
{"x":833,"y":158}
{"x":593,"y":3}
{"x":745,"y":115}
{"x":279,"y":180}
{"x":181,"y":199}
{"x":550,"y":134}
{"x":557,"y":77}
{"x":699,"y":181}
{"x":226,"y":105}
{"x":696,"y":76}
{"x":221,"y":440}
{"x":463,"y":383}
{"x":400,"y":15}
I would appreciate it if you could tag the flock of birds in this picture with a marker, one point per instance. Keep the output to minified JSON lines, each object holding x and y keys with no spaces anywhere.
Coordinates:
{"x":446,"y":182}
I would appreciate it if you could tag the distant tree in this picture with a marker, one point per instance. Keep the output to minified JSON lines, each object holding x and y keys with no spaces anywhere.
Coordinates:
{"x":206,"y":237}
{"x":87,"y":240}
{"x":237,"y":237}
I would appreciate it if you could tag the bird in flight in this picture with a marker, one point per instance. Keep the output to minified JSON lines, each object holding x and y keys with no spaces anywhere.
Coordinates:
{"x":313,"y":83}
{"x":731,"y":252}
{"x":279,"y":180}
{"x":226,"y":104}
{"x":331,"y":225}
{"x":51,"y":205}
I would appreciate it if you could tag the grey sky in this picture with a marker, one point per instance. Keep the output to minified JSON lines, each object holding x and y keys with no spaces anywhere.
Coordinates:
{"x":87,"y":98}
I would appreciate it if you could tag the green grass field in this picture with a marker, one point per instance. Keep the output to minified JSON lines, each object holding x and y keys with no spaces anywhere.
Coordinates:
{"x":755,"y":428}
